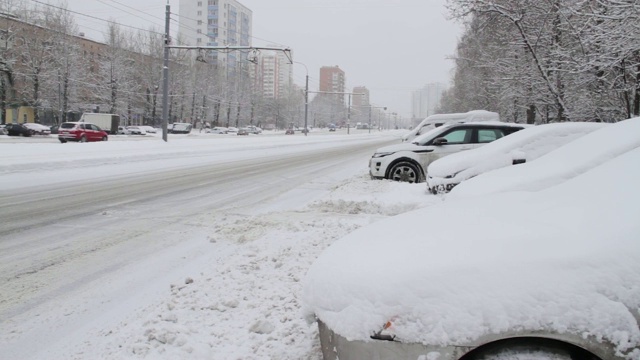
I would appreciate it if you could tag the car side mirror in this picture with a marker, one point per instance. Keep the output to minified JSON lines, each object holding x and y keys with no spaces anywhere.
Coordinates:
{"x":440,"y":141}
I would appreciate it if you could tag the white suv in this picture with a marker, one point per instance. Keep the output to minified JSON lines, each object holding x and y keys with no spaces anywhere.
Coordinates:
{"x":408,"y":161}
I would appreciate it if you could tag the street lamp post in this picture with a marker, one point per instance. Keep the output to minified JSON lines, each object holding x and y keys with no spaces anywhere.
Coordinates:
{"x":306,"y":97}
{"x":371,"y":107}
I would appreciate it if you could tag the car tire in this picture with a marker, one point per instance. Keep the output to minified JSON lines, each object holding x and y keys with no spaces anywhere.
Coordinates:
{"x":405,"y":171}
{"x":533,"y":350}
{"x":62,"y":140}
{"x":104,"y":138}
{"x":83,"y":139}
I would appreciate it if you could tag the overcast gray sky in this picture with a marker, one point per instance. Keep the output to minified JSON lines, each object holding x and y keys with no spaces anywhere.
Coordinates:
{"x":389,"y":46}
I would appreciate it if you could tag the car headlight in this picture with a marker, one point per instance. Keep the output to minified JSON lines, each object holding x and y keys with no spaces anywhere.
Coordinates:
{"x":381,"y":154}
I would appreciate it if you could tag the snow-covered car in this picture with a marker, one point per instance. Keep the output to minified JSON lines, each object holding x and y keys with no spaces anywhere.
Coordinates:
{"x":409,"y":161}
{"x":123,"y":130}
{"x":136,"y":130}
{"x":217,"y":130}
{"x":601,"y":144}
{"x":3,"y":130}
{"x":254,"y":129}
{"x":521,"y":147}
{"x":548,"y":271}
{"x":232,"y":130}
{"x":38,"y":129}
{"x":242,"y":131}
{"x":148,"y":129}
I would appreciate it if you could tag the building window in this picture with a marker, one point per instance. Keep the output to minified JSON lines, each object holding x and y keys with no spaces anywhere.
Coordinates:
{"x":199,"y":41}
{"x":199,"y":22}
{"x":199,"y":13}
{"x":199,"y":31}
{"x":199,"y":3}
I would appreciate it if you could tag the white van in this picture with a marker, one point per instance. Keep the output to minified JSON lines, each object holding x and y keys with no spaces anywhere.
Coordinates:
{"x":436,"y":120}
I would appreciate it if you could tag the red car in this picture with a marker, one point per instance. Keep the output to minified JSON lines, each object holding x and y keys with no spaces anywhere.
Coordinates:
{"x":81,"y":132}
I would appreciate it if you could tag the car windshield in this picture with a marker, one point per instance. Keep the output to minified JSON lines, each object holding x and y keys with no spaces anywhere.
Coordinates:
{"x":428,"y":136}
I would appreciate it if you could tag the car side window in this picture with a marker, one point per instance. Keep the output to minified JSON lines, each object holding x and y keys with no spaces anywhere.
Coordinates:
{"x":489,"y":135}
{"x":459,"y":136}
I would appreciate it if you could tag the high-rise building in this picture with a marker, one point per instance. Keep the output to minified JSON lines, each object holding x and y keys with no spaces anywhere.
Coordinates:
{"x":426,"y":101}
{"x":332,"y":79}
{"x":216,"y":23}
{"x":361,"y":100}
{"x":272,"y":73}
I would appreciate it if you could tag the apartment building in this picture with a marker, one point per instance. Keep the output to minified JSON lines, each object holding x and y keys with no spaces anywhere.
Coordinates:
{"x":216,"y":23}
{"x":426,"y":101}
{"x":272,"y":73}
{"x":332,"y":79}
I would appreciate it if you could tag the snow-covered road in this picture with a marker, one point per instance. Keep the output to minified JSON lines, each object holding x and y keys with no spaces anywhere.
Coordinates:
{"x":196,"y":246}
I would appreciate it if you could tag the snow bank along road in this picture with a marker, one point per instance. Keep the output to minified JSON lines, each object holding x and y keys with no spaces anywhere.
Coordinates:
{"x":86,"y":238}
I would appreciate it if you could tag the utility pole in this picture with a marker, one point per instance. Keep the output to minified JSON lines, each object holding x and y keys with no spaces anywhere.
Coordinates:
{"x":306,"y":104}
{"x":165,"y":74}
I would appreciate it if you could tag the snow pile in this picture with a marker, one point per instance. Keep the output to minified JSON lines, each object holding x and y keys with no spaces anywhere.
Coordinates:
{"x":248,"y":304}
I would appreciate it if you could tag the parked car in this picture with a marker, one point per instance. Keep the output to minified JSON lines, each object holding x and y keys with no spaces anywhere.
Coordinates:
{"x":81,"y":132}
{"x":122,"y":130}
{"x":607,"y":143}
{"x":254,"y":130}
{"x":524,"y":146}
{"x":148,"y":129}
{"x":38,"y":129}
{"x":243,"y":131}
{"x":437,"y":120}
{"x":232,"y":130}
{"x":136,"y":130}
{"x":546,"y":266}
{"x":3,"y":130}
{"x":217,"y":130}
{"x":54,"y":129}
{"x":180,"y":128}
{"x":289,"y":132}
{"x":408,"y":161}
{"x":332,"y":127}
{"x":14,"y":129}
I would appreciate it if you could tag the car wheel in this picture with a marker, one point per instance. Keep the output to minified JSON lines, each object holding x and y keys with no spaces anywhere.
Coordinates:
{"x":83,"y":138}
{"x":62,"y":140}
{"x":104,"y":138}
{"x":532,"y":351}
{"x":405,"y":171}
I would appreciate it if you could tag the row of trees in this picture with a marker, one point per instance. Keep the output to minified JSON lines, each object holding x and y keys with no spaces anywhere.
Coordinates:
{"x":44,"y":64}
{"x":547,"y":60}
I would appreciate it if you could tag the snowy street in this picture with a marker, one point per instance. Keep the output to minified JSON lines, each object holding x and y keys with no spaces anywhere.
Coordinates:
{"x":196,"y":246}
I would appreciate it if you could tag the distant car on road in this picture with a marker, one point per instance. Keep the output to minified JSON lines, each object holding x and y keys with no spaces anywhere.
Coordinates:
{"x":243,"y":131}
{"x":289,"y":132}
{"x":14,"y":129}
{"x":81,"y":132}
